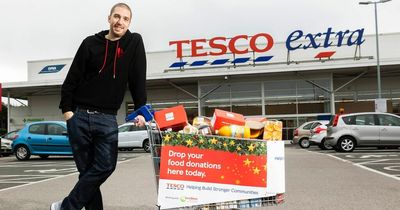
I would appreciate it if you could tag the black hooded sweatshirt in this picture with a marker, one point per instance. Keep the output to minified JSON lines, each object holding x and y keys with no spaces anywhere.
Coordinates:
{"x":100,"y":72}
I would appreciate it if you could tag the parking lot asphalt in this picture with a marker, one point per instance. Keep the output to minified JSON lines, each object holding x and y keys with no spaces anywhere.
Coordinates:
{"x":382,"y":161}
{"x":15,"y":173}
{"x":314,"y":180}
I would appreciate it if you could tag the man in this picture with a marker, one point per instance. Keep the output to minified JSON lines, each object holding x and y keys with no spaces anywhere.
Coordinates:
{"x":91,"y":95}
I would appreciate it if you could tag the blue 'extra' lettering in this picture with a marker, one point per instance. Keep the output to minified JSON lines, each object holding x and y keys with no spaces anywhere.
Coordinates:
{"x":311,"y":40}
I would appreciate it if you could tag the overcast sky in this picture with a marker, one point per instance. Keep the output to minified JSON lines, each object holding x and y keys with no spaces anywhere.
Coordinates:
{"x":49,"y":29}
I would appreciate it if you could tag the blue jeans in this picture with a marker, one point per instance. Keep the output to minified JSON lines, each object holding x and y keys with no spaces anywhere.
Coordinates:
{"x":94,"y":141}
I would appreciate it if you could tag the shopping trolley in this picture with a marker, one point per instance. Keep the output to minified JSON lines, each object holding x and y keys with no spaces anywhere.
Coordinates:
{"x":156,"y":138}
{"x":158,"y":141}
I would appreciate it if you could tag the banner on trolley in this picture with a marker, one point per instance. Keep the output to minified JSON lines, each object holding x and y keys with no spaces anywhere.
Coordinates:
{"x":197,"y":170}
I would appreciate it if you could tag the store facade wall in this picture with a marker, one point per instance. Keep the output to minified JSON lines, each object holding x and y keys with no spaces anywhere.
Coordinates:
{"x":294,"y":87}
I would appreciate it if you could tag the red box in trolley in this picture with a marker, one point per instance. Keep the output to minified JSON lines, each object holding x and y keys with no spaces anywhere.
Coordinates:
{"x":221,"y":118}
{"x":173,"y":118}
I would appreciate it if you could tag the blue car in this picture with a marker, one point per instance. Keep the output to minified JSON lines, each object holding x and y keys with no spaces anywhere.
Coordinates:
{"x":42,"y":138}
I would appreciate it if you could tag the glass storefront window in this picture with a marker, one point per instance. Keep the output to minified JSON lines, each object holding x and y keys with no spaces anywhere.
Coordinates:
{"x":295,"y":97}
{"x":240,"y":97}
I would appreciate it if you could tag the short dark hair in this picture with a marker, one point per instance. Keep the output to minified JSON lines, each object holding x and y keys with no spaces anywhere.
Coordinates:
{"x":120,"y":5}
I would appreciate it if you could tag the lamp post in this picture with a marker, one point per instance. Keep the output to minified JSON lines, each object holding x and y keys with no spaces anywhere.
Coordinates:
{"x":378,"y":67}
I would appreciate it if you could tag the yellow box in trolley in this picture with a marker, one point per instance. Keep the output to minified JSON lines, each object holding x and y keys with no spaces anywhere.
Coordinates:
{"x":272,"y":130}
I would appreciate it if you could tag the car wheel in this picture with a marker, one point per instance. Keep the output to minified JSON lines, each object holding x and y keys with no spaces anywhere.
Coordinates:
{"x":304,"y":143}
{"x":346,"y":144}
{"x":22,"y":152}
{"x":146,"y":145}
{"x":44,"y":156}
{"x":324,"y":145}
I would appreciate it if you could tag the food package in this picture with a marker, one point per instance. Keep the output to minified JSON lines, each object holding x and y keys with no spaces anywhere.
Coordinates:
{"x":204,"y":130}
{"x":198,"y":121}
{"x":273,"y":130}
{"x":235,"y":131}
{"x":190,"y":129}
{"x":221,"y":118}
{"x":171,"y":118}
{"x":256,"y":128}
{"x":258,"y":119}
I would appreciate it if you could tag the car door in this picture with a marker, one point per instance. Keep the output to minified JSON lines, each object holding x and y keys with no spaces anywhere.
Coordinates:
{"x":365,"y":129}
{"x":36,"y":138}
{"x":57,"y":140}
{"x":123,"y":136}
{"x":137,"y":135}
{"x":305,"y":130}
{"x":389,"y":128}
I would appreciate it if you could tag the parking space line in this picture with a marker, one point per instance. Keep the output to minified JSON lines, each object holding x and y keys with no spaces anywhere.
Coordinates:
{"x":379,"y":161}
{"x":26,"y":177}
{"x":13,"y":182}
{"x":364,"y":167}
{"x":378,"y":172}
{"x":60,"y":176}
{"x":371,"y":162}
{"x":31,"y":166}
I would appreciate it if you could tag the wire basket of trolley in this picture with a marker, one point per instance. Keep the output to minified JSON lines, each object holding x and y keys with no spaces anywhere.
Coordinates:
{"x":218,"y":163}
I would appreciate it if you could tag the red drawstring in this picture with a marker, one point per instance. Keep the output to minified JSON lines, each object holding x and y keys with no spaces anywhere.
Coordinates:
{"x":115,"y":57}
{"x":105,"y":57}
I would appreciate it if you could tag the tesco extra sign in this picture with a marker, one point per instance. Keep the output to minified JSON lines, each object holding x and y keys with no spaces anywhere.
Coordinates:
{"x":221,"y":45}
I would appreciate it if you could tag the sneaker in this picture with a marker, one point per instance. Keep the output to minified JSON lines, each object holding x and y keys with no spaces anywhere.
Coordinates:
{"x":56,"y":205}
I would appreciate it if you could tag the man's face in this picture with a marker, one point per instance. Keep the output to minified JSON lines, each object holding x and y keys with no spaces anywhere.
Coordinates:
{"x":119,"y":20}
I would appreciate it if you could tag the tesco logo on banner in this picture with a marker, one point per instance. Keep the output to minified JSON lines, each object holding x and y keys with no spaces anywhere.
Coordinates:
{"x":172,"y":186}
{"x":220,"y":45}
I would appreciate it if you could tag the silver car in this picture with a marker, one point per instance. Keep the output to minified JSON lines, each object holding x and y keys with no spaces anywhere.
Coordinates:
{"x":302,"y":134}
{"x":6,"y":149}
{"x":6,"y":141}
{"x":131,"y":136}
{"x":348,"y":131}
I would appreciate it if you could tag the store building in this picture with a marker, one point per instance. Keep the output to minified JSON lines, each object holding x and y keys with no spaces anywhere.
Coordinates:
{"x":306,"y":77}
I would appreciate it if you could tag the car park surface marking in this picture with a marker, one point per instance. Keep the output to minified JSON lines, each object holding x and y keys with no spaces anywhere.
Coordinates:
{"x":383,"y":162}
{"x":23,"y":178}
{"x":37,"y":164}
{"x":15,"y":174}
